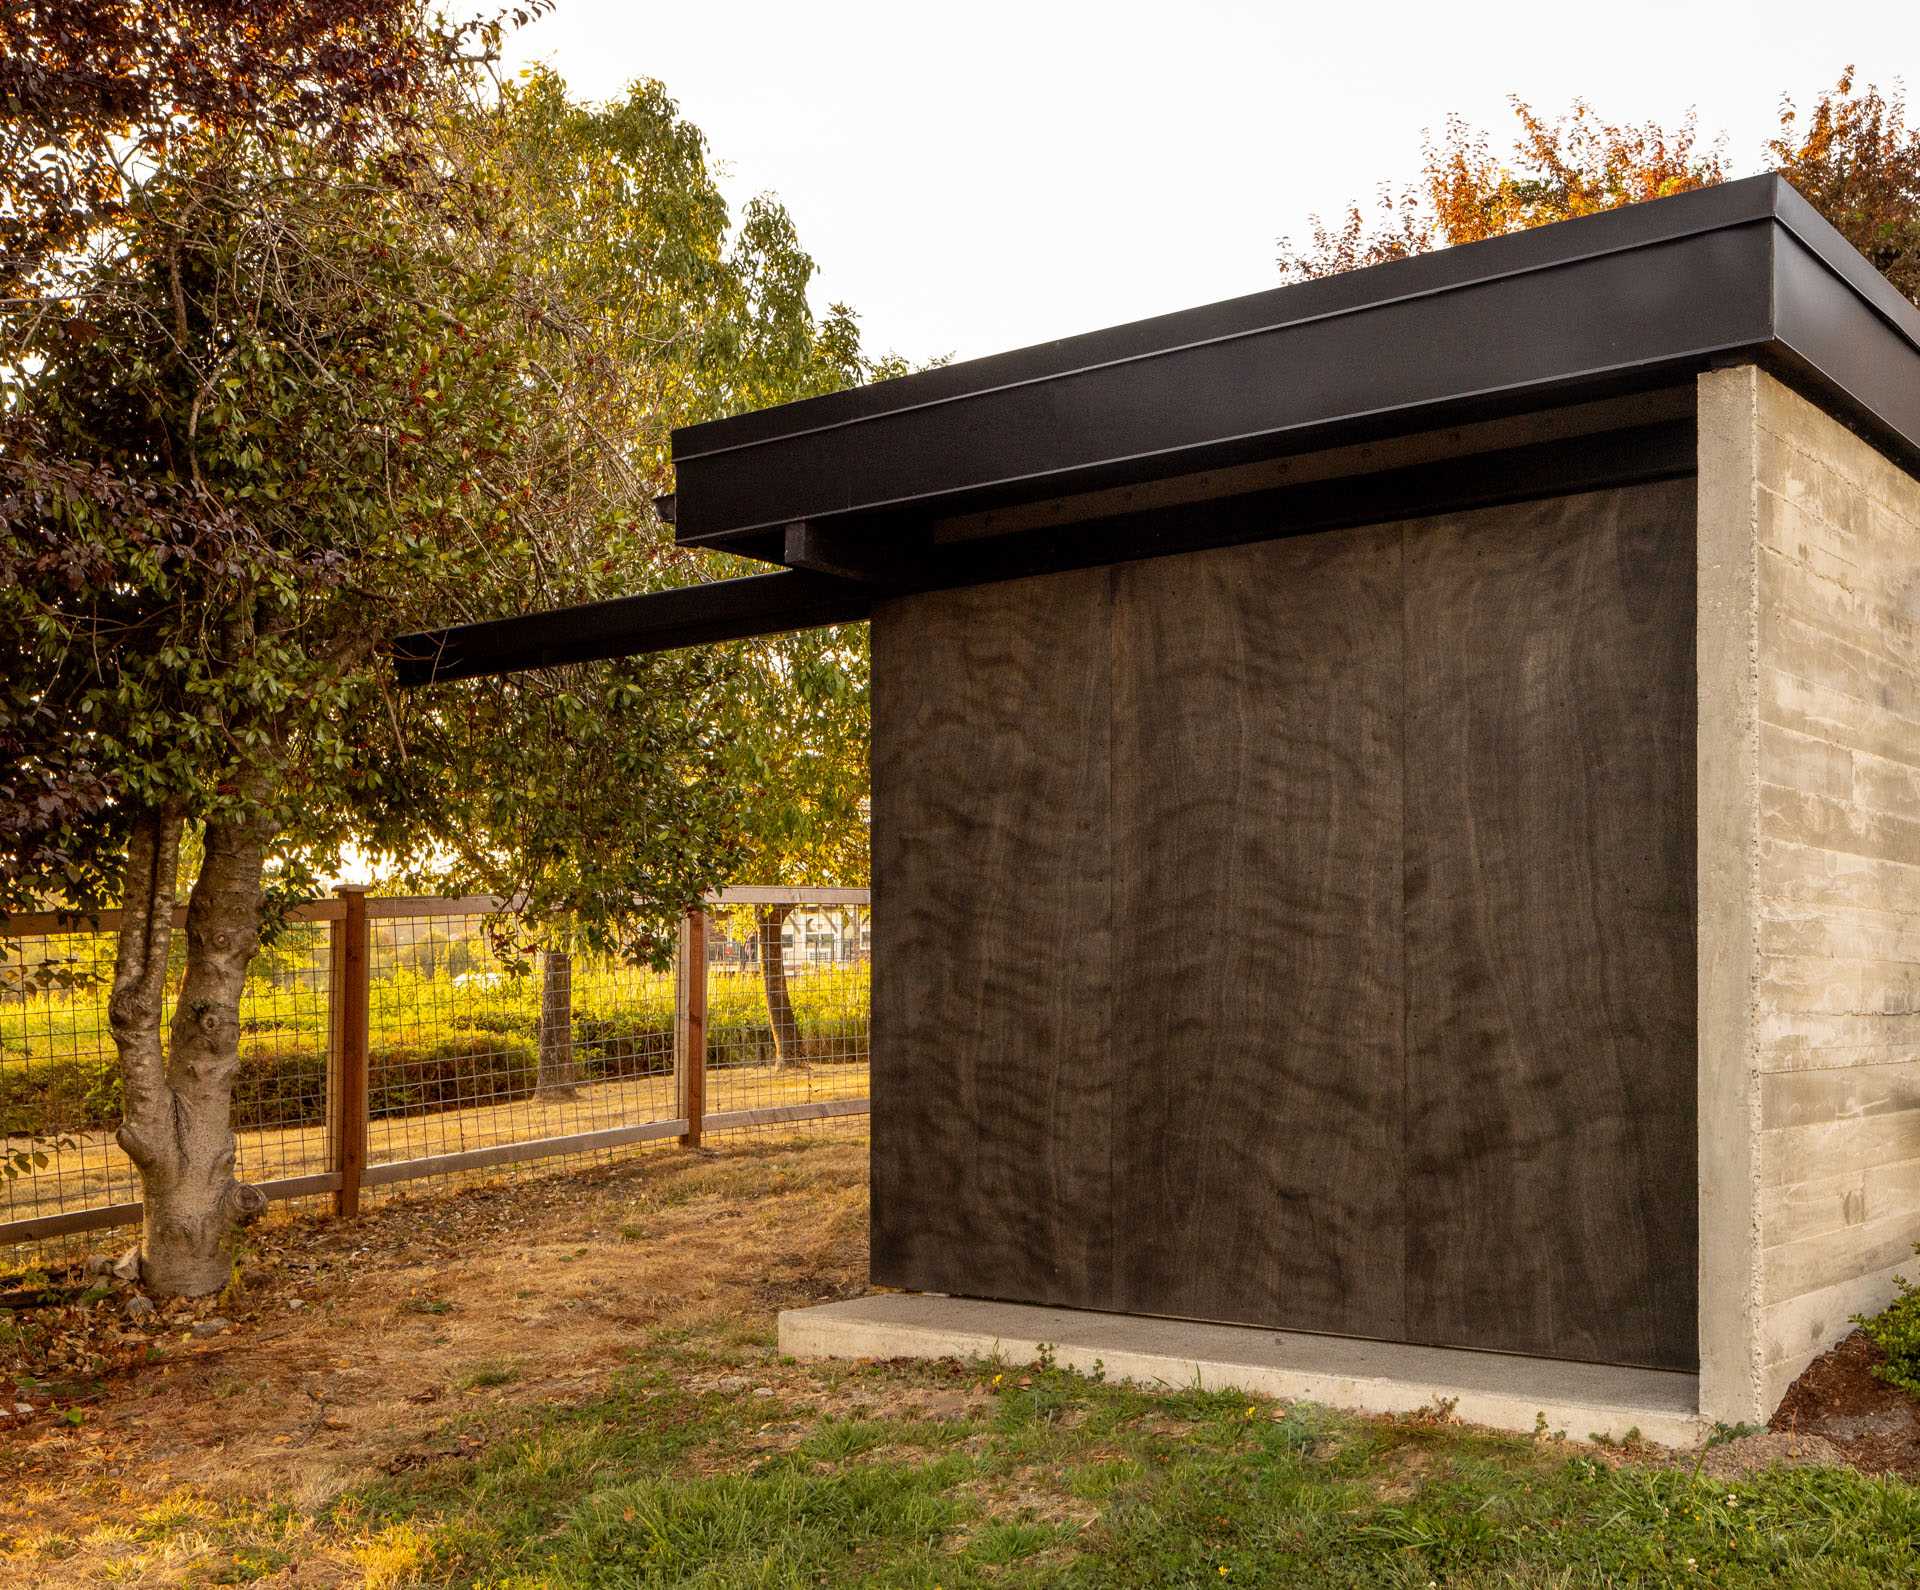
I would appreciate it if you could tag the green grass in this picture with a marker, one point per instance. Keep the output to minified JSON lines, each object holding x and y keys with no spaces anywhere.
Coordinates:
{"x":408,"y":1007}
{"x":1057,"y":1480}
{"x":481,"y":1376}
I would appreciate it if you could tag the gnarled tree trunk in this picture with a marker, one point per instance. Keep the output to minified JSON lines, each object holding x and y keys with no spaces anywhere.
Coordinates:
{"x":558,"y":1074}
{"x":770,"y":919}
{"x":178,"y":1122}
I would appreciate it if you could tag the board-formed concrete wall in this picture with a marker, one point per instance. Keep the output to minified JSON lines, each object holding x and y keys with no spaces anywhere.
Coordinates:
{"x":1809,"y":866}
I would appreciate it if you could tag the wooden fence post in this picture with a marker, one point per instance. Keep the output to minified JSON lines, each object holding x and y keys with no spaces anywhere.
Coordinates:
{"x":352,"y":965}
{"x":690,"y":1024}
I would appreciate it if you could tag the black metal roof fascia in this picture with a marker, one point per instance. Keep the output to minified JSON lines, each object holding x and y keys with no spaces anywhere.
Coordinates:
{"x":689,"y":615}
{"x":1607,"y":303}
{"x":773,"y":603}
{"x":1861,"y":347}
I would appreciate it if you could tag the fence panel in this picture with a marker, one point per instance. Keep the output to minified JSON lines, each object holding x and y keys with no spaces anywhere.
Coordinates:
{"x":60,"y":1091}
{"x":396,"y":1033}
{"x":472,"y":1057}
{"x":789,"y":991}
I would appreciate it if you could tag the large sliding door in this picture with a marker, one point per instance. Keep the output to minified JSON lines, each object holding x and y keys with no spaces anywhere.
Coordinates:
{"x":1549,"y":928}
{"x":1301,"y":933}
{"x":1256,"y":934}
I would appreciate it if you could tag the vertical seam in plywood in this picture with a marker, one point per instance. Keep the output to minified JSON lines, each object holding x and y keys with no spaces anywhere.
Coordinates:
{"x":1406,"y":972}
{"x":1112,"y":594}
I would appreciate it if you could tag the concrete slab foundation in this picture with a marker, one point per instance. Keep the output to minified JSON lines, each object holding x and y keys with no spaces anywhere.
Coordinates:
{"x":1496,"y":1389}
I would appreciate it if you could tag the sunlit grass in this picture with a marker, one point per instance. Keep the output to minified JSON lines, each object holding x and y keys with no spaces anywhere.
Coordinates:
{"x":711,"y":1460}
{"x":1061,"y":1480}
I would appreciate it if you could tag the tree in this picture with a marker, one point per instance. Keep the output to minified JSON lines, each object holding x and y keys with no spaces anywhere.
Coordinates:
{"x":268,"y":426}
{"x":1857,"y":162}
{"x":674,"y":315}
{"x":1854,"y":158}
{"x":803,"y":777}
{"x":283,"y":396}
{"x":93,"y":93}
{"x":201,"y":405}
{"x":96,"y":97}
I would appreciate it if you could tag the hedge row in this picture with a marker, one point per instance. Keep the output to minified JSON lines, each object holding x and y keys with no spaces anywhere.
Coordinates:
{"x":480,"y":1065}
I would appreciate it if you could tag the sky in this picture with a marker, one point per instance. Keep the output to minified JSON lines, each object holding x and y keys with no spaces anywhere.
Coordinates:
{"x":981,"y":176}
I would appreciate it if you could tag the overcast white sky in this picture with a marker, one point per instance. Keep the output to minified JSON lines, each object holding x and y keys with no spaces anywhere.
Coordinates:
{"x":981,"y":175}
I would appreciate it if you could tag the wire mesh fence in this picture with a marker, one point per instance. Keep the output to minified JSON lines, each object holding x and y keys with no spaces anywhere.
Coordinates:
{"x":418,"y":1049}
{"x":788,"y":992}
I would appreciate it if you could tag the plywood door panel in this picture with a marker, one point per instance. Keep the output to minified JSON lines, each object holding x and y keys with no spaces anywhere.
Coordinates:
{"x":1257,"y":934}
{"x":992,"y":1070}
{"x":1302,"y":933}
{"x":1550,"y":947}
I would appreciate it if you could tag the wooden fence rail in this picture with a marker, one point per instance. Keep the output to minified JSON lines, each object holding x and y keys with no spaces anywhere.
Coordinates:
{"x":349,"y":918}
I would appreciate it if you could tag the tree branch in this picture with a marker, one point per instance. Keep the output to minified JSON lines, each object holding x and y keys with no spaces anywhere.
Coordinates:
{"x":140,"y":976}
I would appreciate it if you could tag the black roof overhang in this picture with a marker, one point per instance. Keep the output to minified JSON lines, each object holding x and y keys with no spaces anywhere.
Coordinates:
{"x":1632,"y":298}
{"x":844,"y":488}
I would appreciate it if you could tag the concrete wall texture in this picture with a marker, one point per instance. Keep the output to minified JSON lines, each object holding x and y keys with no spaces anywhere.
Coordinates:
{"x":1809,"y":873}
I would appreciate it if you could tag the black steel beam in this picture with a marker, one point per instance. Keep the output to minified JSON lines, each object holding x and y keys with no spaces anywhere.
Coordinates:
{"x":894,"y":561}
{"x":691,"y":615}
{"x":1623,"y":301}
{"x":1663,"y":451}
{"x":764,"y":604}
{"x":844,"y":488}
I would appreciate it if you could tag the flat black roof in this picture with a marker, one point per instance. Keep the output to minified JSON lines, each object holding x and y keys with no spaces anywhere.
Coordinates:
{"x":1552,"y":360}
{"x":1631,"y":298}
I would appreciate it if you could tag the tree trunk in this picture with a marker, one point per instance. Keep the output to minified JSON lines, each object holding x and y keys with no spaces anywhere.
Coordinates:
{"x":558,"y":1075}
{"x":773,"y":972}
{"x":178,"y":1123}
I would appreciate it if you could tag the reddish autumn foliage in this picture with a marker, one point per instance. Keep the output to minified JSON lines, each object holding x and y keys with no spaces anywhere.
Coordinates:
{"x":92,"y":91}
{"x":1853,"y":156}
{"x":1857,"y":161}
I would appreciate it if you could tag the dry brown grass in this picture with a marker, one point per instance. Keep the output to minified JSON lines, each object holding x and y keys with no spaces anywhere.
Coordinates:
{"x":550,"y":1284}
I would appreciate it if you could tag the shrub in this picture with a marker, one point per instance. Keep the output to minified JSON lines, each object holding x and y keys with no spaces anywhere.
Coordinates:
{"x":280,"y":1087}
{"x":53,"y":1096}
{"x":521,"y":1023}
{"x":622,"y":1044}
{"x":1895,"y":1330}
{"x":451,"y":1074}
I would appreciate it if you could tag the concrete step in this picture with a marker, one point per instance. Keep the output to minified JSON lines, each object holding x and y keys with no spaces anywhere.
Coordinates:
{"x":1502,"y":1390}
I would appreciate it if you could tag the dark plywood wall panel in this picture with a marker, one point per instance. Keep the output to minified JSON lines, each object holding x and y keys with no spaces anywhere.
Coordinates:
{"x":992,"y":1093}
{"x":1302,"y":933}
{"x":1550,"y":938}
{"x":1256,"y":912}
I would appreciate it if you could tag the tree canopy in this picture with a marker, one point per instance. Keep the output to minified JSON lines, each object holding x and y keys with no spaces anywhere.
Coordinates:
{"x":1852,"y":155}
{"x":94,"y":94}
{"x":378,"y":345}
{"x":673,"y":316}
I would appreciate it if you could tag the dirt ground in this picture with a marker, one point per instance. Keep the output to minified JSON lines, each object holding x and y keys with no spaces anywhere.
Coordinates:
{"x":353,"y":1345}
{"x":1874,"y":1426}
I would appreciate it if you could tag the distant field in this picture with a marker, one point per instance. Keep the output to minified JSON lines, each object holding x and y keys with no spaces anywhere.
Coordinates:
{"x":453,"y":1051}
{"x":94,"y":1170}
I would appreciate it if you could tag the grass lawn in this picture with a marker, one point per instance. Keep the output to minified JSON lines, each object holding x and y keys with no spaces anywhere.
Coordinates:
{"x":1040,"y":1477}
{"x":574,"y":1383}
